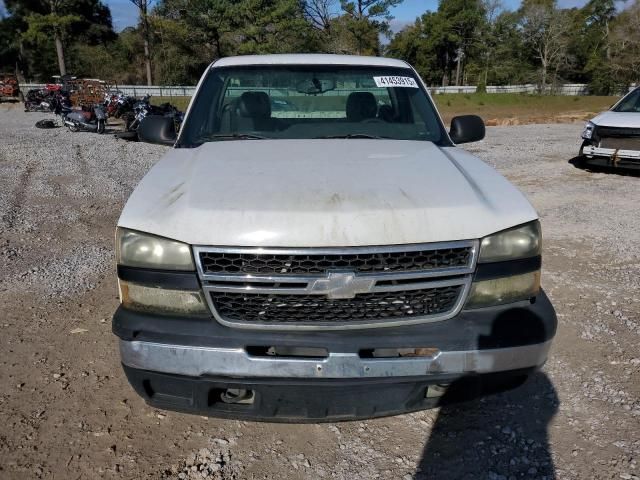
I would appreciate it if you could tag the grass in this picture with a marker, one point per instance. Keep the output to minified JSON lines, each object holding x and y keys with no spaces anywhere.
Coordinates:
{"x":498,"y":108}
{"x":180,"y":102}
{"x":525,"y":108}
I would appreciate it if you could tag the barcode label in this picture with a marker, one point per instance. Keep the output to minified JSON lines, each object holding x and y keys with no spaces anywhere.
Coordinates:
{"x":395,"y":82}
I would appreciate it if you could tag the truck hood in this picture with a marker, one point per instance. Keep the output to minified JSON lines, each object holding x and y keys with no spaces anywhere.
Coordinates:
{"x":618,"y":119}
{"x":311,"y":193}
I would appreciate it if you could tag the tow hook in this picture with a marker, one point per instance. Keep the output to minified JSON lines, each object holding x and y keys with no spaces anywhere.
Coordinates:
{"x":237,"y":395}
{"x":615,"y":157}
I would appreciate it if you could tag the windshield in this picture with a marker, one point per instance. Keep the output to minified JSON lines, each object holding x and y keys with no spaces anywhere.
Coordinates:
{"x":311,"y":101}
{"x":630,"y":103}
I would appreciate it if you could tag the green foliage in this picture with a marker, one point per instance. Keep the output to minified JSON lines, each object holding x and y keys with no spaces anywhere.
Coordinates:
{"x":34,"y":23}
{"x":538,"y":43}
{"x":469,"y":41}
{"x":438,"y":38}
{"x":41,"y":27}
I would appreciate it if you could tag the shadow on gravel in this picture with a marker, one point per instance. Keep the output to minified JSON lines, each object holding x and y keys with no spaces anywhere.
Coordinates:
{"x":501,"y":436}
{"x":579,"y":162}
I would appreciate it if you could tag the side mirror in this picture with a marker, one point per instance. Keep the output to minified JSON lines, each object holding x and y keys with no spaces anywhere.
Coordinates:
{"x":467,"y":128}
{"x":157,"y":129}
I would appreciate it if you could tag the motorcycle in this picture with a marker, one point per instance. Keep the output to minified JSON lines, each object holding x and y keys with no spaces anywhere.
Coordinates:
{"x":92,"y":119}
{"x":44,"y":100}
{"x":142,"y":109}
{"x":117,"y":104}
{"x":36,"y":100}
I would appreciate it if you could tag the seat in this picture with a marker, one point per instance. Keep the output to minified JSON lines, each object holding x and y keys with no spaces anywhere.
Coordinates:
{"x":361,"y":106}
{"x":253,"y":112}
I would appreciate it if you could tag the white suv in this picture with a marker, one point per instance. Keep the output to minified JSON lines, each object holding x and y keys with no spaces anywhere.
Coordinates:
{"x":315,"y":247}
{"x":612,"y":139}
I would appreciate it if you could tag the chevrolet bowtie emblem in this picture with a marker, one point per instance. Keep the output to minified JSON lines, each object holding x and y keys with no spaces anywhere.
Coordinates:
{"x":342,"y":285}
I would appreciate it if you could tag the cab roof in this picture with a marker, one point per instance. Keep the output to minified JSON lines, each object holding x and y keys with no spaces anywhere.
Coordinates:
{"x":309,"y":59}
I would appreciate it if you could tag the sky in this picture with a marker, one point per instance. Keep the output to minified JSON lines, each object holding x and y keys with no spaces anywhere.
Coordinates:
{"x":124,"y":13}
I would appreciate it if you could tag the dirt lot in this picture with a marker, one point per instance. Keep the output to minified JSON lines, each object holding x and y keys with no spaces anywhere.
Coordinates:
{"x":67,"y":411}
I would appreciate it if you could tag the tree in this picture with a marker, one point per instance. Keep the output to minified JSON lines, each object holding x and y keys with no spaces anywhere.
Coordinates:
{"x":365,"y":20}
{"x":320,"y":13}
{"x":625,"y":45}
{"x":55,"y":24}
{"x":512,"y":61}
{"x":444,"y":41}
{"x":463,"y":20}
{"x":41,"y":32}
{"x":269,"y":26}
{"x":596,"y":39}
{"x":491,"y":10}
{"x":143,"y":7}
{"x":410,"y":45}
{"x":543,"y":28}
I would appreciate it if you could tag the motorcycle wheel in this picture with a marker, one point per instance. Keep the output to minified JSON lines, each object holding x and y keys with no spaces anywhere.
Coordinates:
{"x":72,"y":128}
{"x":101,"y":126}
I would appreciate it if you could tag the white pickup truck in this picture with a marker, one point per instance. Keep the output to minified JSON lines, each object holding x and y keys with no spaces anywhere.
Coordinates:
{"x":315,"y":247}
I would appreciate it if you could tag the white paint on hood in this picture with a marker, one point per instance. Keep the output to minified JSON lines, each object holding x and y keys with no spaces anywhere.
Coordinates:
{"x":618,"y":119}
{"x":323,"y":193}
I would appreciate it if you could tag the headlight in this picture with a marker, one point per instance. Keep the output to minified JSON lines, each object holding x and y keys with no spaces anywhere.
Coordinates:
{"x":161,"y":300}
{"x":136,"y":249}
{"x":516,"y":243}
{"x":504,"y":290}
{"x":587,"y":133}
{"x":520,"y":242}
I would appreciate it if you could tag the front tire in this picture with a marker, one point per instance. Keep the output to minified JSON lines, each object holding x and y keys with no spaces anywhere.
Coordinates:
{"x":101,"y":126}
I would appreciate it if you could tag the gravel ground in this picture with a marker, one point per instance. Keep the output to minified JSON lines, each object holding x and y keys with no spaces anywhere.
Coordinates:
{"x":68,"y":413}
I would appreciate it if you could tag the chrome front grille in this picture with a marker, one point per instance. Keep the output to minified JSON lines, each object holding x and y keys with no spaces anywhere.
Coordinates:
{"x":225,"y":262}
{"x":297,"y":309}
{"x":336,"y":288}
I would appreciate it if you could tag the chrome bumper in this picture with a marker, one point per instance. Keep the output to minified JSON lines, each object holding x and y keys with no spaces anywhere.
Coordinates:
{"x":592,"y":151}
{"x":235,"y":362}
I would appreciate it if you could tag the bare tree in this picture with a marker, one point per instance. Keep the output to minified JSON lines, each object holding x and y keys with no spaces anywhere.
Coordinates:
{"x":544,"y":29}
{"x":319,"y":13}
{"x":492,"y":9}
{"x":143,"y":7}
{"x":625,"y":43}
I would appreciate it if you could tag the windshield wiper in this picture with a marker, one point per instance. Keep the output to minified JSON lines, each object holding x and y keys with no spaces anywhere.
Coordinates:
{"x":352,"y":135}
{"x":233,"y":136}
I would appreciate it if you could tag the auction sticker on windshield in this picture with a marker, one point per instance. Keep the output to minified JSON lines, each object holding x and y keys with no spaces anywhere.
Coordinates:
{"x":395,"y":82}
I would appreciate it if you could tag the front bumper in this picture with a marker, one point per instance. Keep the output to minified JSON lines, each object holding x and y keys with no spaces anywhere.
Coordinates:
{"x":609,"y":157}
{"x":187,"y":364}
{"x":236,"y":362}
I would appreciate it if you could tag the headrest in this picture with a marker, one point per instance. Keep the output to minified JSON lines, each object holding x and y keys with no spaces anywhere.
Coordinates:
{"x":360,"y":106}
{"x":254,"y":105}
